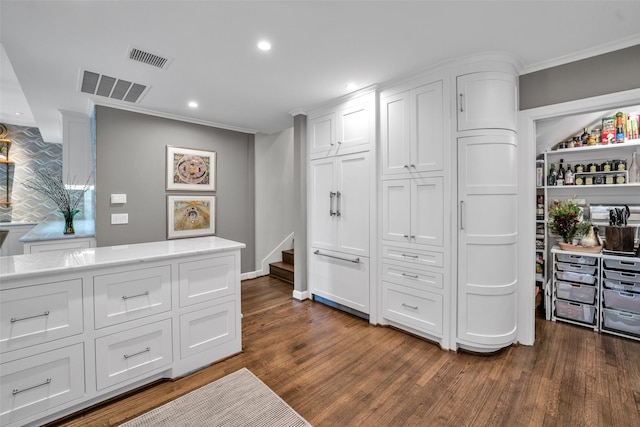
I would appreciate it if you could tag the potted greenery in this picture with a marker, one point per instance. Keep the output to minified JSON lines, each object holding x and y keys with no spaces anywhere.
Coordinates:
{"x":565,"y":220}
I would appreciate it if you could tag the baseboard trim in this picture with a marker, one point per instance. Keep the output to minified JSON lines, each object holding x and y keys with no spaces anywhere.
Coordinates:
{"x":249,"y":275}
{"x":300,"y":296}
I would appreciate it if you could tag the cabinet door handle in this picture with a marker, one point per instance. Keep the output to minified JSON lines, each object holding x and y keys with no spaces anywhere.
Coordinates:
{"x":409,"y":306}
{"x":17,"y":390}
{"x":331,"y":196}
{"x":17,"y":319}
{"x":144,"y":294}
{"x":413,"y":166}
{"x":355,"y":261}
{"x":461,"y":214}
{"x":338,"y":203}
{"x":126,"y":356}
{"x":461,"y":109}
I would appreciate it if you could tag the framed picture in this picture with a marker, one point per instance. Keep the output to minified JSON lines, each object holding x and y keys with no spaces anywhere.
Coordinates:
{"x":190,"y":216}
{"x":191,"y":170}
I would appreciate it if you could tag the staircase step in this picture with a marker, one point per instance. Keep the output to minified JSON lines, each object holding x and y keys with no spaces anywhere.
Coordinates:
{"x":282,"y":270}
{"x":287,"y":256}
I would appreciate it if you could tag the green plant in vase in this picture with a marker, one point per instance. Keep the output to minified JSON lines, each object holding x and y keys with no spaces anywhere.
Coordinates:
{"x":50,"y":184}
{"x":565,"y":220}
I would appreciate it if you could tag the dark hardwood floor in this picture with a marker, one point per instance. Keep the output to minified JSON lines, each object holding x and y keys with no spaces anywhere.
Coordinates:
{"x":337,"y":370}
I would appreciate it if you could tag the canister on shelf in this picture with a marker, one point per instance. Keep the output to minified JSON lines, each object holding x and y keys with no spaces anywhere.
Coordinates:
{"x":606,"y":166}
{"x":609,"y":178}
{"x":593,"y":167}
{"x":579,"y":180}
{"x":621,"y":178}
{"x":619,"y":165}
{"x":579,"y":168}
{"x":595,"y":137}
{"x":589,"y":180}
{"x":578,"y":142}
{"x":571,"y":143}
{"x":598,"y":179}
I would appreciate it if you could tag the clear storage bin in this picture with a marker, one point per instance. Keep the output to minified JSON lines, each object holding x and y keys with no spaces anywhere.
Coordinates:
{"x":576,"y":268}
{"x":575,"y":311}
{"x":621,"y":286}
{"x":578,"y":293}
{"x":621,"y":321}
{"x":576,"y":259}
{"x":576,"y":277}
{"x":622,"y":300}
{"x":622,"y":275}
{"x":619,"y":264}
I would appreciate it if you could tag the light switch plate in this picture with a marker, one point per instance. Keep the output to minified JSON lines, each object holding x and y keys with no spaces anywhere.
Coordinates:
{"x":118,"y":198}
{"x":121,"y":218}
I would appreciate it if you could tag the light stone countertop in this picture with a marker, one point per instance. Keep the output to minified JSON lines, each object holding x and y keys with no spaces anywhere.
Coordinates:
{"x":72,"y":260}
{"x":53,"y":230}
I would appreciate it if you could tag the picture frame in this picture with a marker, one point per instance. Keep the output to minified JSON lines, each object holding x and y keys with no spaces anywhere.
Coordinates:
{"x":191,"y":216}
{"x":189,"y":169}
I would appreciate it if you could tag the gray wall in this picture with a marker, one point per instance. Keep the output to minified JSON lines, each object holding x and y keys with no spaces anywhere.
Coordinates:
{"x":599,"y":75}
{"x":130,"y":159}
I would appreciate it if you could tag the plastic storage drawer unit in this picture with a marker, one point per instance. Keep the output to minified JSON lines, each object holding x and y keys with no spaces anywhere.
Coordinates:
{"x":576,"y":259}
{"x":587,"y":279}
{"x":621,"y":286}
{"x":575,"y":311}
{"x":577,"y":268}
{"x":621,"y":321}
{"x":618,"y":264}
{"x":622,"y":300}
{"x":578,"y":293}
{"x":622,"y":275}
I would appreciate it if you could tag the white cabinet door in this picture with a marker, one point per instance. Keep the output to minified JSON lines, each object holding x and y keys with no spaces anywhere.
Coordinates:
{"x":396,"y":210}
{"x":395,"y":133}
{"x":354,"y":128}
{"x":352,"y":203}
{"x":427,"y":128}
{"x":206,"y":279}
{"x":487,"y":240}
{"x":322,"y":208}
{"x":322,"y":136}
{"x":487,"y":100}
{"x":427,"y":211}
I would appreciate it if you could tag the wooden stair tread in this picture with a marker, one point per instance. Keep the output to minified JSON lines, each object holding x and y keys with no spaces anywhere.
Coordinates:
{"x":283,"y":266}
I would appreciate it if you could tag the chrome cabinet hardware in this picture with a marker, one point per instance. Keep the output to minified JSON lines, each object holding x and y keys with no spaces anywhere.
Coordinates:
{"x":17,"y":390}
{"x":409,"y":306}
{"x":338,"y":203}
{"x":461,"y":109}
{"x":17,"y":319}
{"x":355,"y":261}
{"x":145,"y":293}
{"x":126,"y":356}
{"x":461,"y":214}
{"x":331,"y":196}
{"x":412,"y":276}
{"x":410,"y":256}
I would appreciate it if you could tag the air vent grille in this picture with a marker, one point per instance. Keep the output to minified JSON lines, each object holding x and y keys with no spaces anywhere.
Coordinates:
{"x":148,"y":58}
{"x":111,"y":87}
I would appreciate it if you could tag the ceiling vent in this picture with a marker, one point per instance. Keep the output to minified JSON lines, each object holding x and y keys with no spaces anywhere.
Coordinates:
{"x":148,"y":58}
{"x":111,"y":87}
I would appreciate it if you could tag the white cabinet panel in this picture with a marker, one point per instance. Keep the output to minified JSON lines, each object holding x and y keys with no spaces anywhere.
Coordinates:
{"x":338,"y":278}
{"x":487,"y":100}
{"x":128,"y":295}
{"x":322,"y":136}
{"x":395,"y":133}
{"x":414,"y":256}
{"x":396,"y":211}
{"x":41,"y":382}
{"x":419,"y":279}
{"x":37,"y":314}
{"x":126,"y":355}
{"x":58,"y":245}
{"x":322,"y":198}
{"x":417,"y":309}
{"x":206,"y":280}
{"x":208,"y":328}
{"x":354,"y":128}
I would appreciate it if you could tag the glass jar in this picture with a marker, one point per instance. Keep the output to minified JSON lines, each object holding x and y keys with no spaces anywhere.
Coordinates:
{"x":597,"y":134}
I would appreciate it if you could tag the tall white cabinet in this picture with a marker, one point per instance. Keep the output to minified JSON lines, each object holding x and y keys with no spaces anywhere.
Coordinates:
{"x":341,"y":195}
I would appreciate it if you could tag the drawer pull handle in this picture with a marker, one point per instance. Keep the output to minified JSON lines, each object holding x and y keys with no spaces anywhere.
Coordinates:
{"x":126,"y":356}
{"x":355,"y":261}
{"x":409,"y":306}
{"x":410,"y":256}
{"x":17,"y":390}
{"x":17,"y":319}
{"x":413,"y":276}
{"x":144,"y":294}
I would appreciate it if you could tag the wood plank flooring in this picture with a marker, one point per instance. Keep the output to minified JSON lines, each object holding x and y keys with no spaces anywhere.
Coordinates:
{"x":337,"y":370}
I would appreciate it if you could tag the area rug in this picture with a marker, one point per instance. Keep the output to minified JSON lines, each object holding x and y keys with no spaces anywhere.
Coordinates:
{"x":238,"y":399}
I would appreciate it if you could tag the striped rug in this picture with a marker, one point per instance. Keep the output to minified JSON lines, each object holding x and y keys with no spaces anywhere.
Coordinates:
{"x":238,"y":399}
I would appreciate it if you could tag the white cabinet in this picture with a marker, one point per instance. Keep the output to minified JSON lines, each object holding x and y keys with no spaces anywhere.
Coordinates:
{"x":339,"y":203}
{"x":412,"y":211}
{"x":347,"y":129}
{"x":413,"y":129}
{"x":422,"y":311}
{"x":58,"y":245}
{"x":77,"y":151}
{"x":487,"y":100}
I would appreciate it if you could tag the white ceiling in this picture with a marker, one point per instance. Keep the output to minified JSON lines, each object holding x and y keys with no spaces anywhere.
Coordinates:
{"x":318,"y":46}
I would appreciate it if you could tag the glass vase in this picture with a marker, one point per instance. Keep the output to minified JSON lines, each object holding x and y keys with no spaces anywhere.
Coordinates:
{"x":68,"y":221}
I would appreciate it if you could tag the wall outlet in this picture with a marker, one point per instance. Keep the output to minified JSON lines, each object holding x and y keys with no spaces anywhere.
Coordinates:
{"x":121,"y":218}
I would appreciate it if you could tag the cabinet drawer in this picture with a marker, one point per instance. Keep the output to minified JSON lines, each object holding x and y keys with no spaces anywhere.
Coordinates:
{"x":577,"y":268}
{"x":618,"y":264}
{"x":586,"y":279}
{"x":37,"y":314}
{"x":41,"y":382}
{"x":578,"y":293}
{"x":419,"y":279}
{"x":207,"y":279}
{"x":416,"y":309}
{"x":128,"y":295}
{"x":130,"y":354}
{"x":207,"y":328}
{"x":621,"y":321}
{"x":622,"y":275}
{"x":621,"y":300}
{"x":574,"y":311}
{"x":576,"y":259}
{"x":423,"y":258}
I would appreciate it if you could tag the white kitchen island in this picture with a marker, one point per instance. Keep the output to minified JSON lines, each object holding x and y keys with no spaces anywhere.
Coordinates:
{"x":81,"y":326}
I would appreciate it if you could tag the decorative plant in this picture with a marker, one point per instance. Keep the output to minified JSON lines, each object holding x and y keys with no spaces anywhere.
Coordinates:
{"x":565,"y":220}
{"x":50,"y":184}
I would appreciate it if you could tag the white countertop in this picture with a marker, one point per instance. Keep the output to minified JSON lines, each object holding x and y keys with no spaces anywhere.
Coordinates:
{"x":67,"y":261}
{"x":53,"y":230}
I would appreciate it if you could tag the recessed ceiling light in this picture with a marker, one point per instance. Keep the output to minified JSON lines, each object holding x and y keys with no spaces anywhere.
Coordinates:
{"x":17,"y":113}
{"x":193,"y":104}
{"x":351,"y":86}
{"x":264,"y":45}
